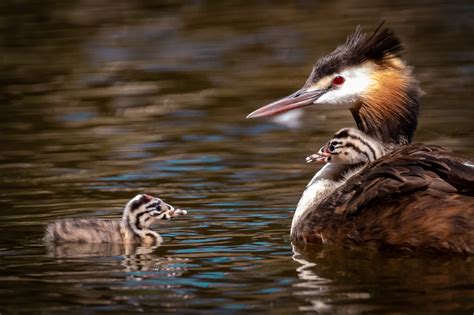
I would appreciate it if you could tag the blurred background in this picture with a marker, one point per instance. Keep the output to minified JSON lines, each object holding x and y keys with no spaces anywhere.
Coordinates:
{"x":101,"y":100}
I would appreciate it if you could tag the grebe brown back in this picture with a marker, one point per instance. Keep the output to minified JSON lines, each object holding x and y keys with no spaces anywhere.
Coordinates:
{"x":416,"y":197}
{"x":134,"y":227}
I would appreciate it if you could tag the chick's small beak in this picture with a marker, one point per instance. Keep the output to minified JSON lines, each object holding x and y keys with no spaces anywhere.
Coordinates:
{"x":325,"y":151}
{"x":298,"y":99}
{"x":166,"y":207}
{"x":316,"y":158}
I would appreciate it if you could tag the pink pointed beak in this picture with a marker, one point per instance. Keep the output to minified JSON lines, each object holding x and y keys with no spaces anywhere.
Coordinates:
{"x":298,"y":99}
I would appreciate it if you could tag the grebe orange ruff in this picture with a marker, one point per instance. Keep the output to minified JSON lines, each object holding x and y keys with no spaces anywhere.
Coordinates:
{"x":416,"y":197}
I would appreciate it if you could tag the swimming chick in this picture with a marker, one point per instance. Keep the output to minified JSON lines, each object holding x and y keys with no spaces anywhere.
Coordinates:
{"x":134,"y":227}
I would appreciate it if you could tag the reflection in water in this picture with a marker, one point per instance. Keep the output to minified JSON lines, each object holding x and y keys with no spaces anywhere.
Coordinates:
{"x":65,"y":250}
{"x":101,"y":101}
{"x":311,"y":283}
{"x":319,"y":290}
{"x":141,"y":266}
{"x":133,"y":257}
{"x":328,"y":274}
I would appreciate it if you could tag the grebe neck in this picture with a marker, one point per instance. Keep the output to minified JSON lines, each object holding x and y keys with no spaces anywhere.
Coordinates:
{"x":132,"y":226}
{"x":389,"y":111}
{"x":324,"y":182}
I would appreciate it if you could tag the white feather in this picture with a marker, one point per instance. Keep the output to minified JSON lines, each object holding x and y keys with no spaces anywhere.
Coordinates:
{"x":316,"y":190}
{"x":357,"y":81}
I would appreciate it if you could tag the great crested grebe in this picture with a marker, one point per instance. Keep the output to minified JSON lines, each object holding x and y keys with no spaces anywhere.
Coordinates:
{"x":346,"y":154}
{"x":348,"y":146}
{"x":134,"y":227}
{"x":416,"y":197}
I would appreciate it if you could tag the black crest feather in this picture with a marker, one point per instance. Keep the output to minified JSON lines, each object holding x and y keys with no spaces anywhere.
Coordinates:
{"x":359,"y":47}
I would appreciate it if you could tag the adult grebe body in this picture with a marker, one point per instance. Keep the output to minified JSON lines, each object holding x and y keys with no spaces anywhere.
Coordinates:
{"x":414,"y":197}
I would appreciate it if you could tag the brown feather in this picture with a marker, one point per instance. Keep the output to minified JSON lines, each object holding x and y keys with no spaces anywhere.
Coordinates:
{"x":417,"y":197}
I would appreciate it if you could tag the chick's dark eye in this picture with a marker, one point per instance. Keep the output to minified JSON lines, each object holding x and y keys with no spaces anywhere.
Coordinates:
{"x":338,"y":80}
{"x":332,"y":147}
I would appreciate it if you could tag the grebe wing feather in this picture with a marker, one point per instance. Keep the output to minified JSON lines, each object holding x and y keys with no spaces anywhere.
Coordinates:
{"x":403,"y":172}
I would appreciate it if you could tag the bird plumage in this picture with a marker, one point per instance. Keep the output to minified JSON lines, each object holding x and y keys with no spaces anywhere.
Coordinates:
{"x":134,"y":226}
{"x":345,"y":154}
{"x":415,"y":196}
{"x":358,"y":48}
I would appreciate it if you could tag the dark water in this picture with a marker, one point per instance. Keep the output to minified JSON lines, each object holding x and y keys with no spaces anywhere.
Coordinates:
{"x":101,"y":100}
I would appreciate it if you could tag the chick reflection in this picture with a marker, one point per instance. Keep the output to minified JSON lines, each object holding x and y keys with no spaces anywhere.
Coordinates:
{"x":76,"y":250}
{"x":134,"y":258}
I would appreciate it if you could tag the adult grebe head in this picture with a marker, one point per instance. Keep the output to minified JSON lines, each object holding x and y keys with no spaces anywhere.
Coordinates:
{"x":367,"y":75}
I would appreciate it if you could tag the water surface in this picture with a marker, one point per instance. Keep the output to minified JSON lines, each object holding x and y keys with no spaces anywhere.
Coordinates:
{"x":101,"y":101}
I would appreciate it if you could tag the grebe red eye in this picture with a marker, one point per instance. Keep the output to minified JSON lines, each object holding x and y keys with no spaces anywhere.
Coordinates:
{"x":338,"y":80}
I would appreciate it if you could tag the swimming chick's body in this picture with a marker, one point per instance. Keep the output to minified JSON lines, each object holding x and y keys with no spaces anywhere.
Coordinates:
{"x":134,"y":226}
